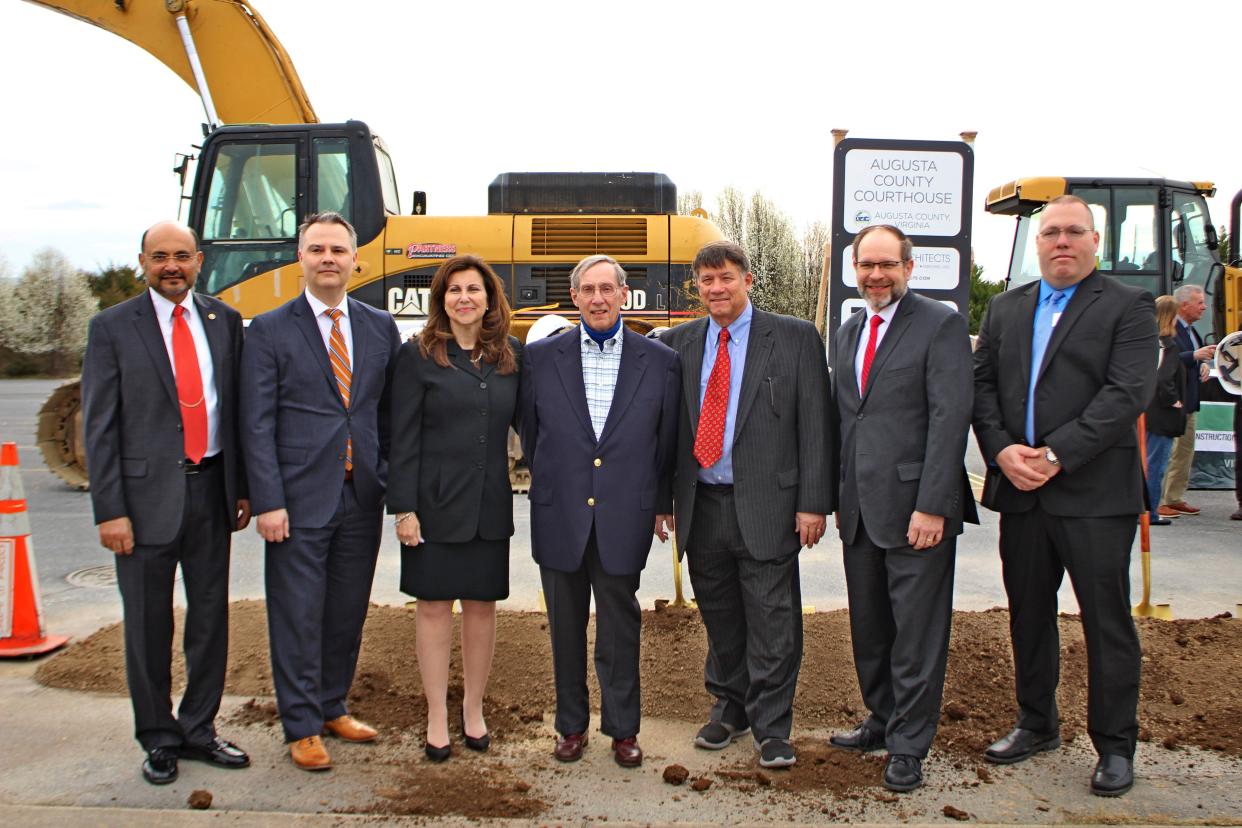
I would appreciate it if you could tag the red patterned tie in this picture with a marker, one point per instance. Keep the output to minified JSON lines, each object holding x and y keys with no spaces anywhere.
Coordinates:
{"x":709,"y":442}
{"x":338,"y":354}
{"x":869,"y":354}
{"x":189,"y":387}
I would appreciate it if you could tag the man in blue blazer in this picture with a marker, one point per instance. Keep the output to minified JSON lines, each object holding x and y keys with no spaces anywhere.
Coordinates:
{"x":599,"y":428}
{"x":1192,"y":303}
{"x":316,"y":374}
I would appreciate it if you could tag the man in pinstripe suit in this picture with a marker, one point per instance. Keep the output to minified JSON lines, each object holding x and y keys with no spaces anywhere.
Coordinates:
{"x":752,"y":487}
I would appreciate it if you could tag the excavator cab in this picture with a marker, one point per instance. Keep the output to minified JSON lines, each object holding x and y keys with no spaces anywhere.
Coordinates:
{"x":1154,"y":233}
{"x":255,"y":184}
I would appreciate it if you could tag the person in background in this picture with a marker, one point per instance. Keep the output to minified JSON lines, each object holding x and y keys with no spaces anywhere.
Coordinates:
{"x":1166,"y":415}
{"x":1191,"y":305}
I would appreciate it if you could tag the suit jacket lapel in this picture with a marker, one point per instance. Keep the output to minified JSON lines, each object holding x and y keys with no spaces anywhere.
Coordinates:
{"x":360,"y":327}
{"x":629,"y":375}
{"x":304,"y":318}
{"x":1024,"y":328}
{"x":692,"y":367}
{"x":897,"y":329}
{"x":461,"y":359}
{"x":845,"y":377}
{"x":1088,"y":291}
{"x":569,"y":368}
{"x":152,"y":338}
{"x":217,"y":339}
{"x":757,"y":352}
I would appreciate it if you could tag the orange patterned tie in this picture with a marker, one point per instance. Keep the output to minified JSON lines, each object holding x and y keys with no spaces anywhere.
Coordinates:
{"x":709,"y":442}
{"x":338,"y":354}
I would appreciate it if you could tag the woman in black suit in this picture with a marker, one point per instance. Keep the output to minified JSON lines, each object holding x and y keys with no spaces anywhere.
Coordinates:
{"x":454,"y":398}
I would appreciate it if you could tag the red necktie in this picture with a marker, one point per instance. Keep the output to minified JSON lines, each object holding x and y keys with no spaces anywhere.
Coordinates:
{"x":338,"y":354}
{"x":869,"y":354}
{"x":189,"y":387}
{"x":709,"y":442}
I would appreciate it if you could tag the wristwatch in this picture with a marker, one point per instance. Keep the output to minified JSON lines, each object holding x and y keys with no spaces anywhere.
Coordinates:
{"x":1051,"y":457}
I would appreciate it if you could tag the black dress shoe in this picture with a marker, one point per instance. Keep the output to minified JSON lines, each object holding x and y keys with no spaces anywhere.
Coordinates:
{"x":160,"y":767}
{"x":218,"y":752}
{"x":860,"y":738}
{"x":1114,"y":775}
{"x":437,"y":754}
{"x":903,"y":772}
{"x":481,"y":744}
{"x":1021,"y":744}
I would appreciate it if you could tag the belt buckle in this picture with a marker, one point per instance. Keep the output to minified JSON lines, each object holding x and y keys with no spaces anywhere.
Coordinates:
{"x":191,"y":468}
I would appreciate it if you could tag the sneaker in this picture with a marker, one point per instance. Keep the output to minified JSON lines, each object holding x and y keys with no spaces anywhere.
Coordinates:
{"x":718,"y":735}
{"x":1168,"y":512}
{"x":1184,"y":507}
{"x":776,"y":753}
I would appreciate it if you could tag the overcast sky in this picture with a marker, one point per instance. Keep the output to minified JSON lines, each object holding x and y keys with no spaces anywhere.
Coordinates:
{"x":713,"y":94}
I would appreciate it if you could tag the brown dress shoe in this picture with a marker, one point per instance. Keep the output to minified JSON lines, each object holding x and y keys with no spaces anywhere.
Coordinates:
{"x":310,"y":754}
{"x":1168,"y":512}
{"x":350,"y":729}
{"x":1185,"y":508}
{"x":569,"y":747}
{"x":627,"y":752}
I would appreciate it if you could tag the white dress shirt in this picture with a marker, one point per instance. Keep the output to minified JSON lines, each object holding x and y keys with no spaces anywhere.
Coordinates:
{"x":887,"y":315}
{"x":211,"y":399}
{"x":325,"y":324}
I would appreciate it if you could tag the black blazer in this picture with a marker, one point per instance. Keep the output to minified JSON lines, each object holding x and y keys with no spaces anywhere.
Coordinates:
{"x":450,"y":437}
{"x":1186,"y":351}
{"x":1096,"y":378}
{"x":135,"y":448}
{"x":1162,"y":417}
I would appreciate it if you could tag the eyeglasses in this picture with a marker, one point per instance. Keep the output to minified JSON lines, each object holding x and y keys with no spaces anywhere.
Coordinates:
{"x":606,"y":291}
{"x":889,"y":266}
{"x":179,"y":258}
{"x":1074,"y":232}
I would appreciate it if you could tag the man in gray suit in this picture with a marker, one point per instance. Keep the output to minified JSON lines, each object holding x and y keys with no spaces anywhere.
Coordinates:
{"x":599,"y":427}
{"x":159,"y":386}
{"x":314,"y":412}
{"x":902,"y":383}
{"x":752,"y":487}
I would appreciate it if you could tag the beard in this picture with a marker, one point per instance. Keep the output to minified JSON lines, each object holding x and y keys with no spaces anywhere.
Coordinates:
{"x":895,"y":292}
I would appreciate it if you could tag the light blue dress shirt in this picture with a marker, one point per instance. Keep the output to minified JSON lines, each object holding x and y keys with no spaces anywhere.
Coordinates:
{"x":1043,"y":309}
{"x":721,"y":472}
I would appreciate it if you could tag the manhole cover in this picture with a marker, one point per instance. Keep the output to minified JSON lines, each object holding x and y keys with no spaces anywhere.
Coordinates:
{"x":93,"y":576}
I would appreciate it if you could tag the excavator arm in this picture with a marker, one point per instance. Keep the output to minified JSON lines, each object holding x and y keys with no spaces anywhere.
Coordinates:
{"x":242,"y":68}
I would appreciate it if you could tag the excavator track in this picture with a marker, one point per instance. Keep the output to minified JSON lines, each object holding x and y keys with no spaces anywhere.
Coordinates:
{"x":59,"y":434}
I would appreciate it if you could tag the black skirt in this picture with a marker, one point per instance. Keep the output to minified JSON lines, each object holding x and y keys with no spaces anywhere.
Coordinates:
{"x":475,"y":570}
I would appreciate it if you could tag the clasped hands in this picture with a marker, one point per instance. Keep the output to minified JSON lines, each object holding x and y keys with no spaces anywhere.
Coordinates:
{"x":1027,"y":468}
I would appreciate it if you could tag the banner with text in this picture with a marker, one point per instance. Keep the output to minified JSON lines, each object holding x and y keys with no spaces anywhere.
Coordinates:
{"x":922,"y":187}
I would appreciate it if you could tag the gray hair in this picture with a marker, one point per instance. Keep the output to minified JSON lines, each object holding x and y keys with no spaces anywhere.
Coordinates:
{"x":591,"y":261}
{"x":1187,"y":292}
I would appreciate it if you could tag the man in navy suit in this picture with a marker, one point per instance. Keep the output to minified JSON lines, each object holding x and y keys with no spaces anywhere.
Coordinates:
{"x":314,"y":413}
{"x":599,"y":428}
{"x":1194,"y":355}
{"x":159,"y":387}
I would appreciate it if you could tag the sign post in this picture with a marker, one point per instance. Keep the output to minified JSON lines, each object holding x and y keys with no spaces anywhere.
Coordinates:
{"x":922,"y":187}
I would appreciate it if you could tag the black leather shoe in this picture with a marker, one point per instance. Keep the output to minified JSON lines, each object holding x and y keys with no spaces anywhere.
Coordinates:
{"x":481,"y":744}
{"x":1114,"y":775}
{"x":160,"y":768}
{"x":903,"y":772}
{"x":218,"y":752}
{"x":860,"y":738}
{"x":1021,"y":744}
{"x":437,"y":754}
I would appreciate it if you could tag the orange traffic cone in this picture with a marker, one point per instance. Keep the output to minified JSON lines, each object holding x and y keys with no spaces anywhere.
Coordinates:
{"x":21,"y":611}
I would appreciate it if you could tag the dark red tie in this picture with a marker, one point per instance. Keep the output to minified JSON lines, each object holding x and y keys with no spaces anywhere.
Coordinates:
{"x":709,"y":442}
{"x":869,"y":354}
{"x":189,"y":387}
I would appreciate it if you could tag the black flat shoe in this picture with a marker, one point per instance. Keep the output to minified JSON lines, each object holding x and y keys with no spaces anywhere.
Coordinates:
{"x":218,"y":752}
{"x":160,"y":767}
{"x":903,"y":773}
{"x":1021,"y":744}
{"x":861,"y":738}
{"x":437,"y":754}
{"x":480,"y":744}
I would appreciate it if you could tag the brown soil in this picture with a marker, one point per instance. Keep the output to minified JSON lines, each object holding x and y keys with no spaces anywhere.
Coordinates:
{"x":1189,"y":696}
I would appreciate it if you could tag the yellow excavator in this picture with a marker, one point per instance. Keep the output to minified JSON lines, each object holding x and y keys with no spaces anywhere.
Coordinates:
{"x":266,"y":162}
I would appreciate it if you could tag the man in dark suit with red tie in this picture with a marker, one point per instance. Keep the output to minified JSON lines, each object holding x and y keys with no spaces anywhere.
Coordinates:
{"x":1063,"y":368}
{"x":160,"y":394}
{"x":314,"y":416}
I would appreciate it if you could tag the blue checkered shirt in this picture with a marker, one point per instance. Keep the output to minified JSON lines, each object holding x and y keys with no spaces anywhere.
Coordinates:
{"x":599,"y":375}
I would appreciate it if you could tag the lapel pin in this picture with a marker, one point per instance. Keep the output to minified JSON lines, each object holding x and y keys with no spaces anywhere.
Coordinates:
{"x":211,"y":316}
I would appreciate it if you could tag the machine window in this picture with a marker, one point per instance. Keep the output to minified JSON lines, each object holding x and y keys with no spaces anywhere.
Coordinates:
{"x":253,"y":193}
{"x":332,"y":177}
